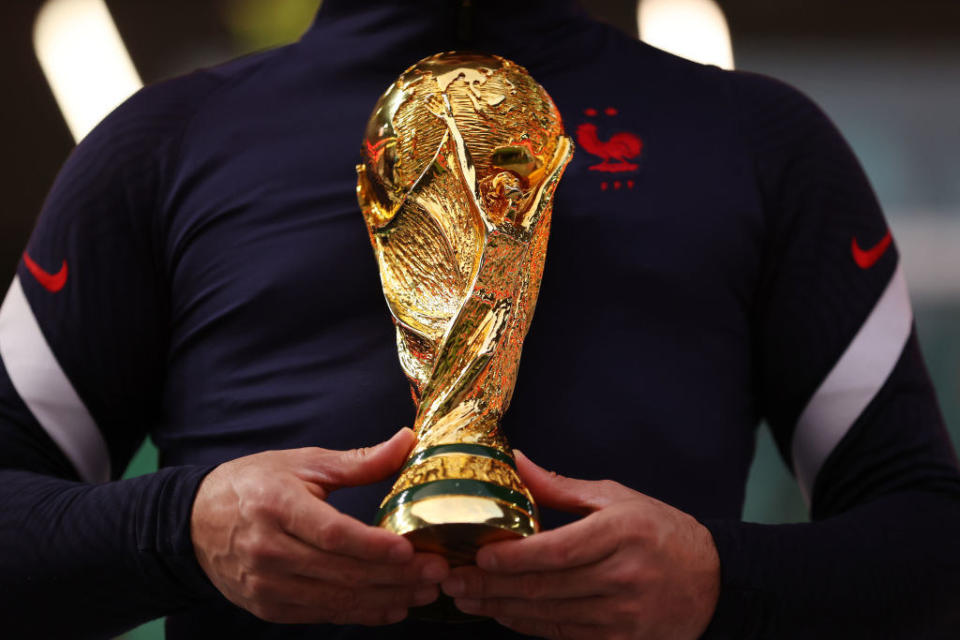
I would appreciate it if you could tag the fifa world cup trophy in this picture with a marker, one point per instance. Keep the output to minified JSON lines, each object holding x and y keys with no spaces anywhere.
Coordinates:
{"x":461,"y":159}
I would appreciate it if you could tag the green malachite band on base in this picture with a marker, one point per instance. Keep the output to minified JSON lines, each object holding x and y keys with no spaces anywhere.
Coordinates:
{"x":480,"y":450}
{"x":459,"y":487}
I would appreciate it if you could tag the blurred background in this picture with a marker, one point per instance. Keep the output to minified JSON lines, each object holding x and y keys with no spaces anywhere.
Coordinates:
{"x":887,"y":72}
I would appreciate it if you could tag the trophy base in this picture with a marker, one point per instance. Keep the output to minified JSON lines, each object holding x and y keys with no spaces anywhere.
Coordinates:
{"x":458,"y":543}
{"x":456,"y":527}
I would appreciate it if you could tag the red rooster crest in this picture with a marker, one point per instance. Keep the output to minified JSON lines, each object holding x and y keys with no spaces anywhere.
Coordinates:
{"x":614,"y":153}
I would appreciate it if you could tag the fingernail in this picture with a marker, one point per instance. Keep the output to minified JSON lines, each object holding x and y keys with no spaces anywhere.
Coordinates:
{"x":467,"y":605}
{"x":517,"y":453}
{"x":396,"y":615}
{"x":425,"y":595}
{"x":453,"y":586}
{"x":390,"y":439}
{"x":433,"y":572}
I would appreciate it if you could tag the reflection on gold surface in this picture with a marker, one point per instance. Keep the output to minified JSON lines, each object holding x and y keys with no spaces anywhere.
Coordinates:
{"x":442,"y":467}
{"x":461,"y":158}
{"x":456,"y":526}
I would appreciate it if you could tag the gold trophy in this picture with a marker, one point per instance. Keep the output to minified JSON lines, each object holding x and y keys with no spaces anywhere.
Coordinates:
{"x":462,"y":156}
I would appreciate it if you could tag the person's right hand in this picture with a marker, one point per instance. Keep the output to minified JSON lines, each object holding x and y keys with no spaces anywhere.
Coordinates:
{"x":269,"y":542}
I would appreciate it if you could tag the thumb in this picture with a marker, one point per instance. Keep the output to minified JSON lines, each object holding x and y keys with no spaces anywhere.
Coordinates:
{"x":550,"y":489}
{"x":355,"y":467}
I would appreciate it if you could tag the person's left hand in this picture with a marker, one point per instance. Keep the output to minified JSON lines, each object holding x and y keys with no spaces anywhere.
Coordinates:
{"x":634,"y":567}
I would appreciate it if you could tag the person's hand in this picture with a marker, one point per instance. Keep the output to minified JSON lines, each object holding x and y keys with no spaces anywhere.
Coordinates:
{"x":270,"y":543}
{"x":633,"y":568}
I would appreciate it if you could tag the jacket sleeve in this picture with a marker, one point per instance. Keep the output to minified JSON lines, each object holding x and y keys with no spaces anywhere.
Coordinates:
{"x":842,"y":384}
{"x":82,"y":354}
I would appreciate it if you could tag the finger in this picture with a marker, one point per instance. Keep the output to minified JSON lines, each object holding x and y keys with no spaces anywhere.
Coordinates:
{"x":582,"y":542}
{"x":552,"y":630}
{"x":336,"y":469}
{"x":550,"y":489}
{"x":283,"y":553}
{"x":424,"y":568}
{"x":588,"y":611}
{"x":337,"y":601}
{"x":318,"y":524}
{"x":299,"y":614}
{"x":590,"y":580}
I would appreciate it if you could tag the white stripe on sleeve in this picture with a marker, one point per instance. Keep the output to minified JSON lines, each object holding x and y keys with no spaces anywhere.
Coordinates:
{"x":853,"y":382}
{"x":46,"y":390}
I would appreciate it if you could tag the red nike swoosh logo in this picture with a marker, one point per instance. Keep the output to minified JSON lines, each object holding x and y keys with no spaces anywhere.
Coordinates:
{"x":52,"y":282}
{"x":867,"y":258}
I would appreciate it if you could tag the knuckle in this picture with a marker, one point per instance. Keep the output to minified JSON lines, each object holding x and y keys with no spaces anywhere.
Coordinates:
{"x":243,"y":584}
{"x":361,"y":453}
{"x":256,"y":549}
{"x":331,"y":537}
{"x":633,"y":528}
{"x":259,"y":503}
{"x":313,"y":454}
{"x":243,"y":545}
{"x":255,"y":586}
{"x":621,"y":578}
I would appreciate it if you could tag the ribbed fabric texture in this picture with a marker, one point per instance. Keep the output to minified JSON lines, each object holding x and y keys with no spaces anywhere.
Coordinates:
{"x":90,"y":561}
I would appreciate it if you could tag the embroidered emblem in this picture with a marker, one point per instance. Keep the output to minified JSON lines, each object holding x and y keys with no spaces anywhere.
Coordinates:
{"x":615,"y":153}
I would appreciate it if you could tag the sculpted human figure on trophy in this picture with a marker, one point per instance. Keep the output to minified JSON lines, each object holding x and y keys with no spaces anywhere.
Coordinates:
{"x":462,"y":156}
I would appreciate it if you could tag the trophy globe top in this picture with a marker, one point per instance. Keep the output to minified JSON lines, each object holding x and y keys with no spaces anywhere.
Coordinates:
{"x":509,"y":125}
